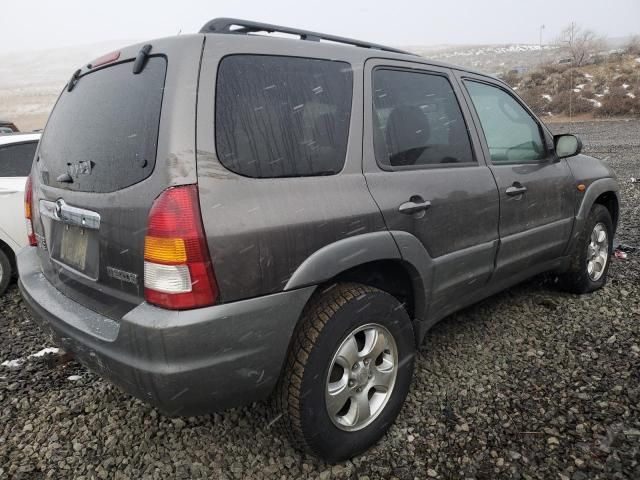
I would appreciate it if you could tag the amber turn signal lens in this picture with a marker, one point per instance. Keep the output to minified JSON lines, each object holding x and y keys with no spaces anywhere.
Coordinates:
{"x":165,"y":250}
{"x":581,"y":187}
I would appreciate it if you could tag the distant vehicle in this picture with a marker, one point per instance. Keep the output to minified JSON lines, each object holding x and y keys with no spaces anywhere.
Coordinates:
{"x":16,"y":156}
{"x":7,"y":127}
{"x":223,"y":216}
{"x":563,"y":61}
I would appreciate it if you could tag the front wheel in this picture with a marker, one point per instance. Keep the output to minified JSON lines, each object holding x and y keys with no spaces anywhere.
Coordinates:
{"x":348,"y":371}
{"x":590,"y":259}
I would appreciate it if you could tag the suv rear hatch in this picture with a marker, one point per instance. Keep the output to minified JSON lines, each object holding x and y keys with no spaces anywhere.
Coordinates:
{"x":113,"y":143}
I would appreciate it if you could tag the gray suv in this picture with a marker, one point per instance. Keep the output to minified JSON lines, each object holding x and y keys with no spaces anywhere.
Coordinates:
{"x":224,"y":217}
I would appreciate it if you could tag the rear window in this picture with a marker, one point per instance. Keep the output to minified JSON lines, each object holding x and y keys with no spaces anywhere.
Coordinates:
{"x":282,"y":116}
{"x":16,"y":159}
{"x":104,"y":132}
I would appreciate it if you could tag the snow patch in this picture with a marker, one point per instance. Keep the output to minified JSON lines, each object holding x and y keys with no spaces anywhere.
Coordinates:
{"x":638,"y":59}
{"x":599,"y":95}
{"x":18,"y":362}
{"x":13,"y":363}
{"x":588,"y":76}
{"x":45,"y":351}
{"x":631,"y":94}
{"x":547,"y":97}
{"x":625,"y":85}
{"x":74,"y":378}
{"x":595,"y":103}
{"x":577,"y":90}
{"x":581,"y":86}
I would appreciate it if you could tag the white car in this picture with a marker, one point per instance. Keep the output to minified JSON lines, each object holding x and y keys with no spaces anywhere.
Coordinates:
{"x":16,"y":155}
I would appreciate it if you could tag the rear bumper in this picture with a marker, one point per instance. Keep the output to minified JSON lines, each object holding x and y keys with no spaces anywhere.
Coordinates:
{"x":184,"y":362}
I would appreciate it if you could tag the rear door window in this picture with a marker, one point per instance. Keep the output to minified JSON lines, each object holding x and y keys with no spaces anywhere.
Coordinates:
{"x":282,"y":116}
{"x":16,"y":159}
{"x":418,"y":121}
{"x":104,"y":132}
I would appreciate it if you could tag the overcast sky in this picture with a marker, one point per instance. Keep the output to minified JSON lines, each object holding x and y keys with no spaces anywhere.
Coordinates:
{"x":41,"y":24}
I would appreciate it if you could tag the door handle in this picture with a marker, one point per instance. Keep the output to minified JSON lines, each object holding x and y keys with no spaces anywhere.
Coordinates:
{"x":414,"y":205}
{"x":516,"y":189}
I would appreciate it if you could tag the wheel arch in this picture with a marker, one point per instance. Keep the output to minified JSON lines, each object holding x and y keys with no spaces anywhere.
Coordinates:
{"x":604,"y":191}
{"x":395,"y":262}
{"x":610,"y":201}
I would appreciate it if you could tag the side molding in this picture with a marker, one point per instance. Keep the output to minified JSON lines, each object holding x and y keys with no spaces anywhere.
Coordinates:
{"x":342,"y":255}
{"x":421,"y":268}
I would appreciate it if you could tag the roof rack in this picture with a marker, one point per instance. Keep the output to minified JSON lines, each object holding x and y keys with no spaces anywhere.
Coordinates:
{"x":225,"y":25}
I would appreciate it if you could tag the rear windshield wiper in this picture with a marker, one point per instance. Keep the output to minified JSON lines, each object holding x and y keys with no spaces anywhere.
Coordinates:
{"x":141,"y":59}
{"x":73,"y":80}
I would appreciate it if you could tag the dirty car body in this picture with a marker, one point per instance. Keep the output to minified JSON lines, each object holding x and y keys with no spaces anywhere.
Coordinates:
{"x":438,"y":235}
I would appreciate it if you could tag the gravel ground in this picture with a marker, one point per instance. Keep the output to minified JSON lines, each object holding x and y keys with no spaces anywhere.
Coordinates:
{"x":532,"y":383}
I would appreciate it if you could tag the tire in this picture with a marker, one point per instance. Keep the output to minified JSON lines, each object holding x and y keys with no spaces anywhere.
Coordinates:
{"x":5,"y":272}
{"x":329,"y":323}
{"x":578,"y":278}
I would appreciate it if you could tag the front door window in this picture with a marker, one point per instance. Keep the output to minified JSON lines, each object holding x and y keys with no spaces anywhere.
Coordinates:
{"x":512,"y":135}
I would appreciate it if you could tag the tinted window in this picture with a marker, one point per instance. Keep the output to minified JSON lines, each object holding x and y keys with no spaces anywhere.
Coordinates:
{"x":16,"y":159}
{"x":105,"y":131}
{"x":417,"y":120}
{"x":511,"y":134}
{"x":282,"y":116}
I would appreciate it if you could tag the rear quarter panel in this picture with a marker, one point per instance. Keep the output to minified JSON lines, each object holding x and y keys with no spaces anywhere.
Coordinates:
{"x":260,"y":230}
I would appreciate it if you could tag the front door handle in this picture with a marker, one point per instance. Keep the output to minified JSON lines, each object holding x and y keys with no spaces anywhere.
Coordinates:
{"x":516,"y":189}
{"x":414,"y":205}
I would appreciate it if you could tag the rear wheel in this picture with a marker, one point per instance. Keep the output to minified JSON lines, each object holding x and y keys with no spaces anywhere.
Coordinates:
{"x":590,"y":259}
{"x":5,"y":271}
{"x":348,"y":371}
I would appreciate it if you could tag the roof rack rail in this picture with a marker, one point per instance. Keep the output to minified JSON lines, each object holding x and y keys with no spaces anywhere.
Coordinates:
{"x":225,"y":25}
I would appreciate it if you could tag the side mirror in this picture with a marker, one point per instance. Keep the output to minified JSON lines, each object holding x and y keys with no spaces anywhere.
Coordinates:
{"x":567,"y":145}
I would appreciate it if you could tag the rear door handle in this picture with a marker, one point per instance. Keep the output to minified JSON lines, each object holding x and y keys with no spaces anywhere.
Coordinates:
{"x":516,"y":189}
{"x":415,"y":205}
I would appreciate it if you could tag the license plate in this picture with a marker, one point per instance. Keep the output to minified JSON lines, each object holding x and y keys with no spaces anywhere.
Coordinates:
{"x":73,"y":248}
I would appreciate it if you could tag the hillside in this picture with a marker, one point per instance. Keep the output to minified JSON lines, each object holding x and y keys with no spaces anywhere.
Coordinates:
{"x":609,"y":88}
{"x":492,"y":59}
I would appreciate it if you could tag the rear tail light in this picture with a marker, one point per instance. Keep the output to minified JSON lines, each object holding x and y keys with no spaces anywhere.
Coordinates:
{"x":28,"y":212}
{"x":178,"y":273}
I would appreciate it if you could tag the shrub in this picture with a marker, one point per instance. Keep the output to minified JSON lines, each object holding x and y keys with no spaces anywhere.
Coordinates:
{"x":533,"y":98}
{"x":618,"y":103}
{"x":633,"y":46}
{"x":567,"y":101}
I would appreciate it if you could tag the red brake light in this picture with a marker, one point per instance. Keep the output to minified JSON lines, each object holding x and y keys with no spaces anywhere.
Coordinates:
{"x":178,"y":273}
{"x":103,"y":60}
{"x":28,"y":212}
